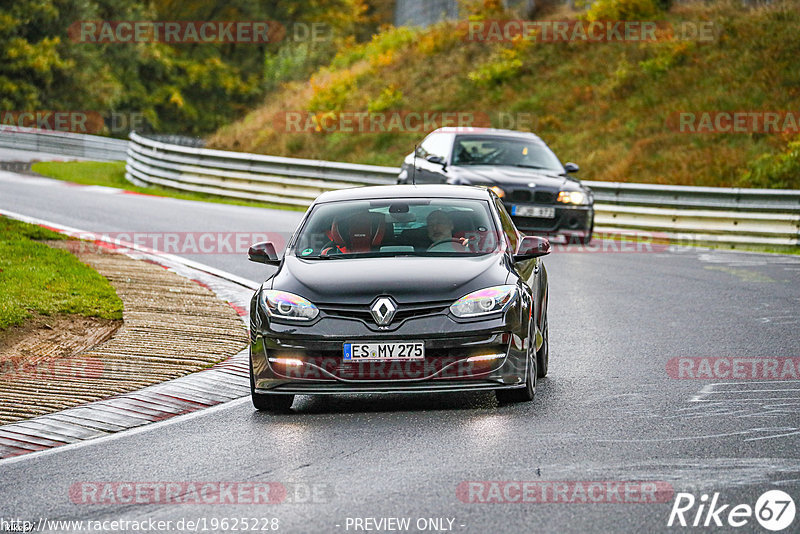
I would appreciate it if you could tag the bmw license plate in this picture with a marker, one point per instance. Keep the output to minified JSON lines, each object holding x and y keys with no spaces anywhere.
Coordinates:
{"x":534,"y":211}
{"x":362,"y":352}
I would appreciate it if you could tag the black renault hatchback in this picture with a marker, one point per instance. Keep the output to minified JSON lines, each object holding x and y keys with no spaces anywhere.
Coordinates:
{"x":401,"y":289}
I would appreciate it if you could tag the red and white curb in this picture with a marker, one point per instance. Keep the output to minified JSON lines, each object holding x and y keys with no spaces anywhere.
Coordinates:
{"x":224,"y":382}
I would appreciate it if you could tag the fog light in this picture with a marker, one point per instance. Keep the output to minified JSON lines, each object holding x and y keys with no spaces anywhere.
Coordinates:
{"x":485,"y":358}
{"x":289,"y":362}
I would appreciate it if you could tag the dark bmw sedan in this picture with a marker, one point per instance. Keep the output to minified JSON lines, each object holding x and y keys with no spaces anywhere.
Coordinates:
{"x":401,"y":289}
{"x":538,"y":191}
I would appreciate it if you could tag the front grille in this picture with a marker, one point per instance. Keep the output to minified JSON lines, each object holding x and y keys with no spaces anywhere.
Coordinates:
{"x":544,"y":197}
{"x":526,"y":195}
{"x":520,"y":195}
{"x":404,"y":311}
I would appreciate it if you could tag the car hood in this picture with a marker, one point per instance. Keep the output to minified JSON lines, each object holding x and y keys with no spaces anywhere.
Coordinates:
{"x":405,"y":278}
{"x":516,"y":176}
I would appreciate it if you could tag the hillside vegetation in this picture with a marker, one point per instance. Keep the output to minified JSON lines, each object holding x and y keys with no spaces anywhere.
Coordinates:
{"x":49,"y":61}
{"x":606,"y":106}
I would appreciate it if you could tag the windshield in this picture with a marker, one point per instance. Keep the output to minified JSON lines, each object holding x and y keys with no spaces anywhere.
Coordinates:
{"x":414,"y":227}
{"x":517,"y":152}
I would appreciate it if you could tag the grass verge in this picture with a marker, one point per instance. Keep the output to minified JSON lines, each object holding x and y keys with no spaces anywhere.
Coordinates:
{"x":35,"y":278}
{"x":112,"y":174}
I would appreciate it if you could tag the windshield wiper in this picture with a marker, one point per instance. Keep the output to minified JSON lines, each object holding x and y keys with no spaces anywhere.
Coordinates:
{"x":534,"y":167}
{"x":332,"y":257}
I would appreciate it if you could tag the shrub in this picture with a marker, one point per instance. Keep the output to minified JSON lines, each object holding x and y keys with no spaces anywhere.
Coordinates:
{"x":668,"y":56}
{"x":503,"y":65}
{"x":391,"y":40}
{"x":331,"y":93}
{"x":389,"y":98}
{"x":779,"y":171}
{"x":292,"y":63}
{"x":622,"y":10}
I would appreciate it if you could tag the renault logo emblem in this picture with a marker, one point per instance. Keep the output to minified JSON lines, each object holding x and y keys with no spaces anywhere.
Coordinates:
{"x":383,"y":311}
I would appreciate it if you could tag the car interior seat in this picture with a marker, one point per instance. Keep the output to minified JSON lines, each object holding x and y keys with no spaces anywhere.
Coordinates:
{"x":361,"y":232}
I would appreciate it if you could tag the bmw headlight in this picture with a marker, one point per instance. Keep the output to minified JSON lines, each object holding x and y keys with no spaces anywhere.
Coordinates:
{"x":484,"y":301}
{"x":571,"y":197}
{"x":283,"y":305}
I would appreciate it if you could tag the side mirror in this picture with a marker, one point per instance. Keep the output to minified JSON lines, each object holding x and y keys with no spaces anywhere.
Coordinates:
{"x":571,"y":167}
{"x":439,"y":160}
{"x":532,"y":247}
{"x":263,"y":253}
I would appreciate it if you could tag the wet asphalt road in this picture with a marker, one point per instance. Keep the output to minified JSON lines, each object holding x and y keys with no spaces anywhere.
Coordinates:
{"x":609,"y":410}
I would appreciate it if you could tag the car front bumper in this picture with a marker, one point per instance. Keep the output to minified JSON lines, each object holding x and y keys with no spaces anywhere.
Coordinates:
{"x":569,"y":220}
{"x":471,"y":356}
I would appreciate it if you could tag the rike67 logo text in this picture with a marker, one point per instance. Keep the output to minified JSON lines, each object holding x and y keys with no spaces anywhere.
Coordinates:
{"x":774,"y":510}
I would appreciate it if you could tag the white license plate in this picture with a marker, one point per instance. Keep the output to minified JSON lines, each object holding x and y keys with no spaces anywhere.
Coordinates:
{"x":534,"y":211}
{"x":361,"y":352}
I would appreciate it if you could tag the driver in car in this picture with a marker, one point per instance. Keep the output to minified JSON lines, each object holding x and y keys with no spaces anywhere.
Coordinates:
{"x":440,"y":230}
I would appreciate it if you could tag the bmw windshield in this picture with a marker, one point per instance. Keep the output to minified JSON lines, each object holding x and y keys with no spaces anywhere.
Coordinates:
{"x":515,"y":152}
{"x":388,"y":227}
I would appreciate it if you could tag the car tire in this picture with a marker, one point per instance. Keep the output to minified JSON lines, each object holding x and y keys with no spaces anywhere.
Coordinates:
{"x":543,"y":354}
{"x":524,"y":394}
{"x":272,"y":403}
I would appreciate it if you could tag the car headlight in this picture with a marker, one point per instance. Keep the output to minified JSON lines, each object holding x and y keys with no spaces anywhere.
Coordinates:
{"x":484,"y":301}
{"x":498,"y":191}
{"x":571,"y":197}
{"x":283,"y":305}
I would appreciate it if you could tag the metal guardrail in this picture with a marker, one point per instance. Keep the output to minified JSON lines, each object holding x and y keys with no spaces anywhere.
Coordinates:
{"x":289,"y":181}
{"x":92,"y":147}
{"x":685,"y":214}
{"x":733,"y":216}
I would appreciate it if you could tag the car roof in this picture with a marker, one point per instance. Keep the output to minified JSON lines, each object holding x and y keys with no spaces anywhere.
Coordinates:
{"x":478,"y":132}
{"x":405,"y":191}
